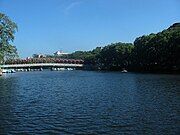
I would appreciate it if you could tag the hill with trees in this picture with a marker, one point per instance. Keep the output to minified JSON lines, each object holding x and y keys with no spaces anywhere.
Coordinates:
{"x":153,"y":53}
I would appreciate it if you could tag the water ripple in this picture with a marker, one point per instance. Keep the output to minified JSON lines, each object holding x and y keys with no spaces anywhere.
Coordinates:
{"x":82,"y":103}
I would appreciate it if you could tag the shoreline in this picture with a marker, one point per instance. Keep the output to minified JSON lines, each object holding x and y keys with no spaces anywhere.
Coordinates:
{"x":102,"y":71}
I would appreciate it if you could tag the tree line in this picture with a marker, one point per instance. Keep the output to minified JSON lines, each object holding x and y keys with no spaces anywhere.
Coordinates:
{"x":153,"y":53}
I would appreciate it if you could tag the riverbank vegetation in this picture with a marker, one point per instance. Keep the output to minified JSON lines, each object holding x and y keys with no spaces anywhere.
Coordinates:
{"x":153,"y":53}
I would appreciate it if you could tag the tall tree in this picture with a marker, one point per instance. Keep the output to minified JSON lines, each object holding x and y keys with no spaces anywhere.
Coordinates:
{"x":158,"y":52}
{"x":7,"y":31}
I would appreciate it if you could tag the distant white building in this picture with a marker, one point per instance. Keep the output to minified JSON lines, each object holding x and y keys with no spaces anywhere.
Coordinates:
{"x":39,"y":56}
{"x":28,"y":58}
{"x":60,"y":53}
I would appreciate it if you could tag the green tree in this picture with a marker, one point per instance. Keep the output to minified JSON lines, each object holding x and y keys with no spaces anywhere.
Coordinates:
{"x":116,"y":56}
{"x":158,"y":52}
{"x":7,"y":31}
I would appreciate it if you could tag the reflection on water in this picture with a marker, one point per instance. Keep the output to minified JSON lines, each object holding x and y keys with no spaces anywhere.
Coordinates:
{"x":81,"y":102}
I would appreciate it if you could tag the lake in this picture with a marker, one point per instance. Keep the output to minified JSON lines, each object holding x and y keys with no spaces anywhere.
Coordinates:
{"x":87,"y":102}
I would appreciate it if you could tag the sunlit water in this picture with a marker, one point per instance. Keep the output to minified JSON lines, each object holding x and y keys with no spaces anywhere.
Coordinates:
{"x":85,"y":102}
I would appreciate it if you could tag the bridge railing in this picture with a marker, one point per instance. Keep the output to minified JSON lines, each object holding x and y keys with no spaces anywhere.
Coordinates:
{"x":43,"y":60}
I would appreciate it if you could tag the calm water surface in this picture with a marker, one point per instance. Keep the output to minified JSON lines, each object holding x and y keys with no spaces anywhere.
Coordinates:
{"x":85,"y":102}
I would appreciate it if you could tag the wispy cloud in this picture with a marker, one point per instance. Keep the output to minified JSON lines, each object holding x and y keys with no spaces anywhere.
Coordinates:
{"x":71,"y":6}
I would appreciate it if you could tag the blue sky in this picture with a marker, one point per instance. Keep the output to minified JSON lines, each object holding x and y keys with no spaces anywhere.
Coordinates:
{"x":46,"y":26}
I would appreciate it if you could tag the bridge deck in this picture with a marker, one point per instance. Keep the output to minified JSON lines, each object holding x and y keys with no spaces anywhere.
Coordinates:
{"x":41,"y":65}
